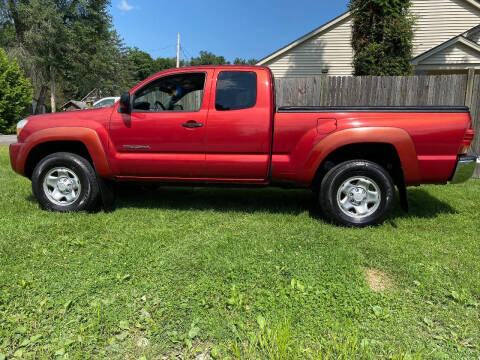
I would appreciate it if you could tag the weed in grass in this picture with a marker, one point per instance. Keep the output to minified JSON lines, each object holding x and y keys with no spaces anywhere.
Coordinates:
{"x":279,"y":342}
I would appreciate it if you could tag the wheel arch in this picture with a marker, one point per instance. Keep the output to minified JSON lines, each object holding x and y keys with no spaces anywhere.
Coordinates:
{"x":383,"y":154}
{"x":80,"y":141}
{"x":391,"y":147}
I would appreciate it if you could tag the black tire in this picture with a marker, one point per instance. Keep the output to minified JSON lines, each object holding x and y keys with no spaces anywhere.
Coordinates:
{"x":330,"y":196}
{"x":88,"y":193}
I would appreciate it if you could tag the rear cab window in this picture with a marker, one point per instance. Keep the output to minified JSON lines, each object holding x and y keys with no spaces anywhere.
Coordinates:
{"x":236,"y":90}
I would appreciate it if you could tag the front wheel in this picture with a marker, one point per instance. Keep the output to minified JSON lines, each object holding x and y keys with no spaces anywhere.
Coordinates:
{"x":357,"y":193}
{"x":65,"y":182}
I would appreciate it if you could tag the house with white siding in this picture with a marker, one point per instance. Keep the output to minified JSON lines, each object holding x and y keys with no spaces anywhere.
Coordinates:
{"x":447,"y":40}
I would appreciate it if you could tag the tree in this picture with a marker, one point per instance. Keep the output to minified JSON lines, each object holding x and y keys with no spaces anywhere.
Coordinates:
{"x":66,"y":42}
{"x":141,"y":62}
{"x":208,"y":58}
{"x":15,"y":93}
{"x":240,"y":61}
{"x":382,"y":37}
{"x":167,"y":63}
{"x":7,"y":35}
{"x":141,"y":65}
{"x":96,"y":56}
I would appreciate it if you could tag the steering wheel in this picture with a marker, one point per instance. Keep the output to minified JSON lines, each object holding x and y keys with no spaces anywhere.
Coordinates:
{"x":158,"y":105}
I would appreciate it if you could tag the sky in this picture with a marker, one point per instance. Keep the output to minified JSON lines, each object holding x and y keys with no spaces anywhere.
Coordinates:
{"x":232,"y":28}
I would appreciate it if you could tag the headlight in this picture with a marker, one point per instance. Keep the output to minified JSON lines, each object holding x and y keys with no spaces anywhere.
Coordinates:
{"x":21,"y":124}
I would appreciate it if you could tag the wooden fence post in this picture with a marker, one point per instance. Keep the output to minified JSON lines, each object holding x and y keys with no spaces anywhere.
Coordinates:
{"x":323,"y":100}
{"x":470,"y":84}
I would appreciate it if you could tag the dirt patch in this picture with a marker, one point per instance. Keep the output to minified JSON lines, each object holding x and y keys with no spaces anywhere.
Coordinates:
{"x":378,"y":280}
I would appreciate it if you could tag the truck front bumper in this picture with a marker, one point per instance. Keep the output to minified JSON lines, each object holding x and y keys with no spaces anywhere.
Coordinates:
{"x":14,"y":155}
{"x":465,"y":168}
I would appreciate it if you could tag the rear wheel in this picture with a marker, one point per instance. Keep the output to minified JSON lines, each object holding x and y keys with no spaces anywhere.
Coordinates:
{"x":357,"y":193}
{"x":65,"y":182}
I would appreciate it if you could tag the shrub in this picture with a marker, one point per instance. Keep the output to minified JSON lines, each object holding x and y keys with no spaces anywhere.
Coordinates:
{"x":15,"y":93}
{"x":382,"y":37}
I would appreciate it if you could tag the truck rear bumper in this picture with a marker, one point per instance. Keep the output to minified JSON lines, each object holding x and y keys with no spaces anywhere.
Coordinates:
{"x":465,"y":168}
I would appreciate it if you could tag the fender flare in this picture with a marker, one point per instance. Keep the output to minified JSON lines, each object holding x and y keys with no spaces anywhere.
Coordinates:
{"x":399,"y":138}
{"x":86,"y":136}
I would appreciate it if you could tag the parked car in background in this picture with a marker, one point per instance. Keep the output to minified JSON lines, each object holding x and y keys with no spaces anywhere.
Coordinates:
{"x":105,"y":102}
{"x":220,"y":125}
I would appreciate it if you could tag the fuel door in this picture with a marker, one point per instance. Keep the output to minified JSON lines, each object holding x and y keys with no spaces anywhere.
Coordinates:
{"x":326,"y":125}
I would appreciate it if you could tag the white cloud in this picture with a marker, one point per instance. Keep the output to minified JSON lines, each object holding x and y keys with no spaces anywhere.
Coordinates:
{"x":124,"y":6}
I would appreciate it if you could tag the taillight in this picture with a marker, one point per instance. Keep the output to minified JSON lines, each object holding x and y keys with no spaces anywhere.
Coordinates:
{"x":467,"y":141}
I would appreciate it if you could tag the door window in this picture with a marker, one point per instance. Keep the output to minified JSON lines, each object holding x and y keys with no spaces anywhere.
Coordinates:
{"x":183,"y":92}
{"x":236,"y":90}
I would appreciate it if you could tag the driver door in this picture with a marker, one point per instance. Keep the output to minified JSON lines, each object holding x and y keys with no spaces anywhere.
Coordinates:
{"x":164,"y":136}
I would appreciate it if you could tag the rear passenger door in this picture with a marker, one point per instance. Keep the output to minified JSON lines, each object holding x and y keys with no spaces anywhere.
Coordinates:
{"x":239,"y":129}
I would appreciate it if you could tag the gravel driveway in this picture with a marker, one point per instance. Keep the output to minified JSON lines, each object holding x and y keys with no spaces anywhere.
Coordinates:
{"x":7,"y":139}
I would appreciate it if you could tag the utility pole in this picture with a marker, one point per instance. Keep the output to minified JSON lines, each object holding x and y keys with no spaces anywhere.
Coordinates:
{"x":178,"y":50}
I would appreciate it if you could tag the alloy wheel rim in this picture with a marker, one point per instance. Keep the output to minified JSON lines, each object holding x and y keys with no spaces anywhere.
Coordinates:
{"x":359,"y":197}
{"x":62,"y":186}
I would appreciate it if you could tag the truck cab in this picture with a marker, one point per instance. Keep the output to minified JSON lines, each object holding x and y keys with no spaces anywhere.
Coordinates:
{"x":196,"y":124}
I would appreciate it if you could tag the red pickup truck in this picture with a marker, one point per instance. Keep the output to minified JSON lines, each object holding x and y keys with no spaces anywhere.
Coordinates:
{"x":220,"y":124}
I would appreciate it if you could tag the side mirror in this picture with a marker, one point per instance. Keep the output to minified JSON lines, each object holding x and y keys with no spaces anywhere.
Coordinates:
{"x":125,"y":106}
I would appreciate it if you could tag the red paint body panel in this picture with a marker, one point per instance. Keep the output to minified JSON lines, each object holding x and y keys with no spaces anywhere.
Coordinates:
{"x":248,"y":146}
{"x":436,"y":138}
{"x":397,"y":137}
{"x":239,"y":142}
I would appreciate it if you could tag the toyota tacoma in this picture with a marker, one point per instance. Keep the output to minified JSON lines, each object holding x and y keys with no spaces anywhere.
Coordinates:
{"x":220,"y":125}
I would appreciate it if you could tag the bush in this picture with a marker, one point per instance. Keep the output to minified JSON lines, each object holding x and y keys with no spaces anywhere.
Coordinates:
{"x":382,"y":37}
{"x":15,"y":93}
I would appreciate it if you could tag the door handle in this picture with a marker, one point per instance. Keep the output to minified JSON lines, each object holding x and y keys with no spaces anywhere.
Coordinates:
{"x":192,"y":125}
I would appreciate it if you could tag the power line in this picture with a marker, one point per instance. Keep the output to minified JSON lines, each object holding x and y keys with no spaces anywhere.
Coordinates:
{"x":184,"y":54}
{"x":188,"y":52}
{"x":163,"y":48}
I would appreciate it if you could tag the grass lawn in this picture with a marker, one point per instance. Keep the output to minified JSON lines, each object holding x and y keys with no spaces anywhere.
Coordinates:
{"x":238,"y":273}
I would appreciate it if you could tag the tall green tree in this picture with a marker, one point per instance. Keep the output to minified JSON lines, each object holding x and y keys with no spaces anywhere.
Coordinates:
{"x":15,"y":93}
{"x":208,"y":58}
{"x":240,"y":61}
{"x":382,"y":37}
{"x":142,"y":64}
{"x":167,"y":63}
{"x":100,"y":63}
{"x":70,"y":42}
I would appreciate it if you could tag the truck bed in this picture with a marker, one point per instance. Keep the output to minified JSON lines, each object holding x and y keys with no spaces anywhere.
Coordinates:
{"x":435,"y":131}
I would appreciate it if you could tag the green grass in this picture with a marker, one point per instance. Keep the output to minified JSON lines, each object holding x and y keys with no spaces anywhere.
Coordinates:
{"x":237,"y":273}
